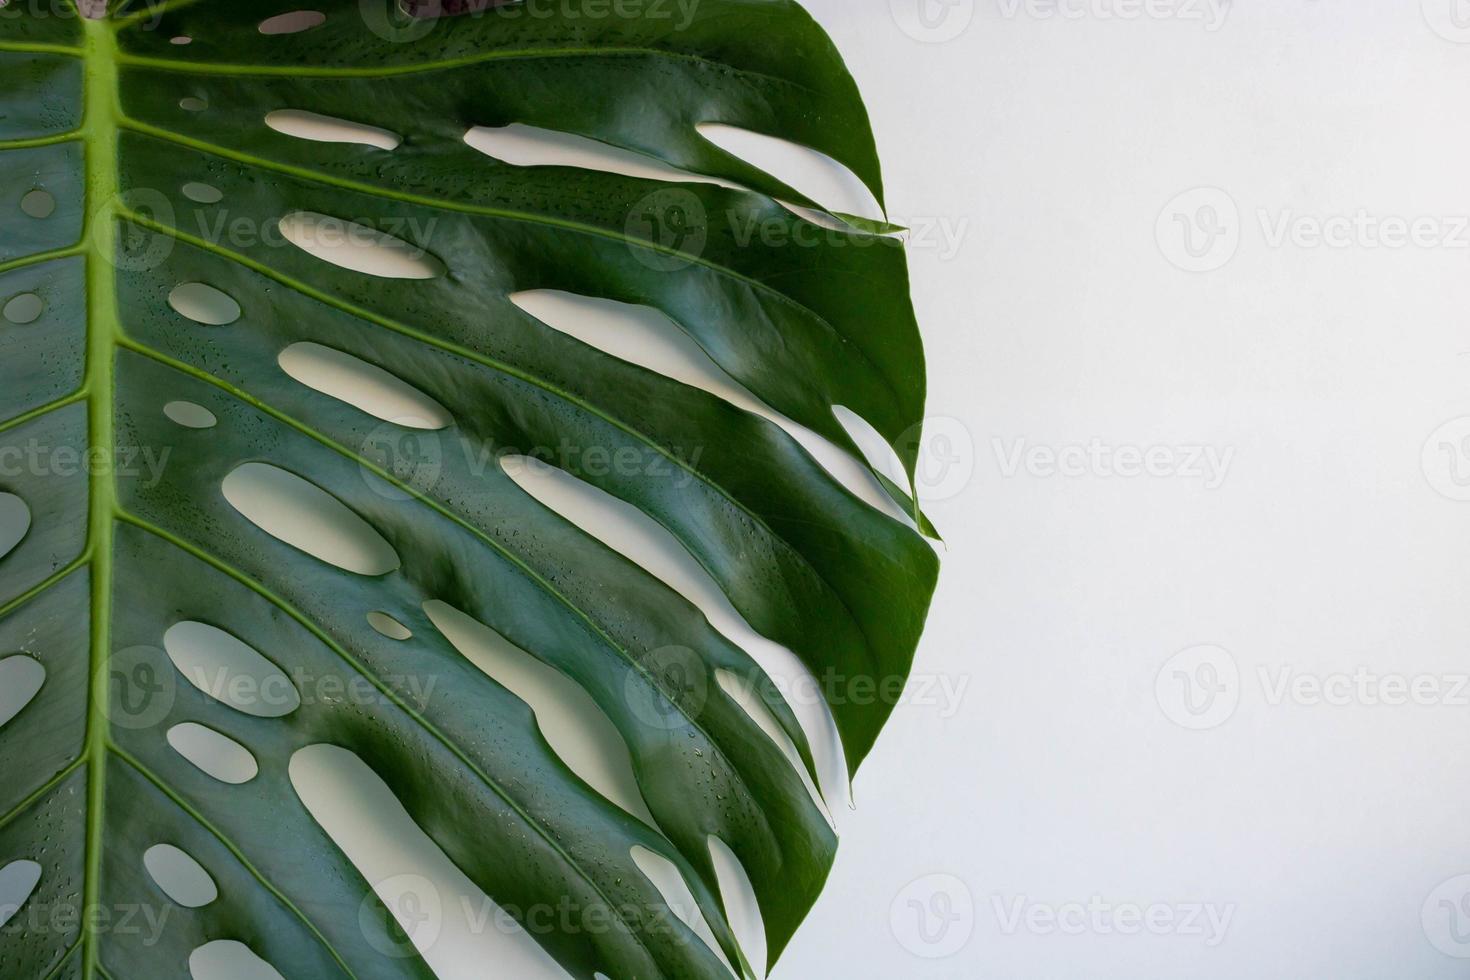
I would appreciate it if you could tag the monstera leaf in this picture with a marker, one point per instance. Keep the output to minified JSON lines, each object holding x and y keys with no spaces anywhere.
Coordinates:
{"x":151,"y":166}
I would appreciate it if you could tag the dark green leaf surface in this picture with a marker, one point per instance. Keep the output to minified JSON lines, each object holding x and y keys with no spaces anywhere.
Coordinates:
{"x":112,"y":120}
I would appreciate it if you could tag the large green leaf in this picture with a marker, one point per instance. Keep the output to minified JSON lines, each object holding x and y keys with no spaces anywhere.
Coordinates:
{"x":111,"y":117}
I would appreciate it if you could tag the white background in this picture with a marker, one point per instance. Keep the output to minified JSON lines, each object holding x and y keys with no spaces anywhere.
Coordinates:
{"x":1058,"y":142}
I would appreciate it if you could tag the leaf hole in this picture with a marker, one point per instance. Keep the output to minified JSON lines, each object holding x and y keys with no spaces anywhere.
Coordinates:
{"x":192,"y":103}
{"x":665,"y":876}
{"x":573,"y":723}
{"x":204,"y":304}
{"x":875,"y":448}
{"x":18,"y":881}
{"x":190,"y":415}
{"x":215,"y":755}
{"x":814,"y":174}
{"x":358,"y":248}
{"x":24,"y":309}
{"x":364,"y":386}
{"x":531,"y":146}
{"x":202,"y":193}
{"x":742,"y":692}
{"x":226,"y":959}
{"x":292,"y":23}
{"x":21,"y":679}
{"x":230,"y":671}
{"x":304,"y":516}
{"x":427,"y":903}
{"x":388,"y":626}
{"x":650,"y":339}
{"x":330,"y":129}
{"x":15,"y":522}
{"x":181,"y":40}
{"x":39,"y":204}
{"x":179,"y":876}
{"x":742,"y":907}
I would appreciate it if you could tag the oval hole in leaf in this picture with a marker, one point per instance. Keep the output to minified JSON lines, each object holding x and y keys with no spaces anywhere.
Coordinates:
{"x":388,"y":626}
{"x":292,"y":23}
{"x":203,"y":193}
{"x":20,"y":681}
{"x":204,"y":304}
{"x":665,"y":876}
{"x":818,"y":176}
{"x":18,"y":881}
{"x":23,"y":309}
{"x":226,"y":959}
{"x":15,"y":522}
{"x":647,"y":337}
{"x":39,"y":204}
{"x":573,"y":722}
{"x":305,"y":516}
{"x":214,"y":754}
{"x":363,"y":385}
{"x":190,"y":415}
{"x":358,"y":248}
{"x":230,"y":671}
{"x":193,"y":103}
{"x":329,"y":129}
{"x":417,"y":883}
{"x":181,"y":40}
{"x":531,"y":146}
{"x":179,"y":876}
